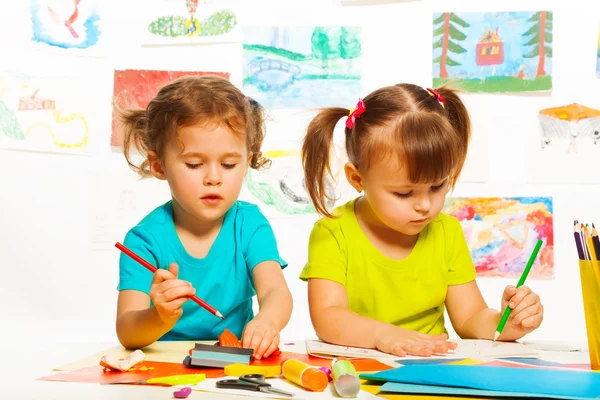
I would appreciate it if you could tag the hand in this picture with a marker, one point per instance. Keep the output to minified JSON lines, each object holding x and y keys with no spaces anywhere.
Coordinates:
{"x":402,"y":342}
{"x":527,"y":310}
{"x":262,"y":336}
{"x":169,"y":293}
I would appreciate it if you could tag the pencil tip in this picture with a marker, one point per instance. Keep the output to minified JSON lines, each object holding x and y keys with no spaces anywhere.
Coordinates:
{"x":496,"y":335}
{"x":218,"y":314}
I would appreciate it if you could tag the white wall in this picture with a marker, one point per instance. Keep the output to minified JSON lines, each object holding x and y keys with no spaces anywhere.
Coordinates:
{"x":54,"y":283}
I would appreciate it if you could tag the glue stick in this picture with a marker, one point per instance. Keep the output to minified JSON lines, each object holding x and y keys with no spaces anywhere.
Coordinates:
{"x":345,"y":378}
{"x":307,"y":376}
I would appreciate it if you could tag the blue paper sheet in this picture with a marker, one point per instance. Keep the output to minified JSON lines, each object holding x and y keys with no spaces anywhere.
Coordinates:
{"x":427,"y":361}
{"x":504,"y":379}
{"x":406,"y":388}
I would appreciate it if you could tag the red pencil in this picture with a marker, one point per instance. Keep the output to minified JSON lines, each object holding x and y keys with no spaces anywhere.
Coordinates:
{"x":153,"y":269}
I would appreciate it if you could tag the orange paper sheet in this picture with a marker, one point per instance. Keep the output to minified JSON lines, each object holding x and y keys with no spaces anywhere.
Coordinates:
{"x":361,"y":365}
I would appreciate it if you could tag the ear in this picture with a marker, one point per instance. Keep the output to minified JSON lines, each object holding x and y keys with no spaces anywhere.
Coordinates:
{"x":353,"y":176}
{"x":156,"y":166}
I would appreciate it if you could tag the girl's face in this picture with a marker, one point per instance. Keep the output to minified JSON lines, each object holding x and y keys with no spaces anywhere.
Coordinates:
{"x":399,"y":204}
{"x":206,"y":174}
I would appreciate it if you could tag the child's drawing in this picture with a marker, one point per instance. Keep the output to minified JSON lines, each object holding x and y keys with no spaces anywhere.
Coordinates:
{"x":67,"y":24}
{"x":135,"y":88}
{"x":302,"y":67}
{"x":282,"y":186}
{"x":598,"y":58}
{"x":186,"y":21}
{"x":502,"y":232}
{"x":40,"y":113}
{"x":569,"y":125}
{"x":493,"y":52}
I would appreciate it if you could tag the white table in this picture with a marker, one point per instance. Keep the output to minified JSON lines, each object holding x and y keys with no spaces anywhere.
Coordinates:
{"x":19,"y":372}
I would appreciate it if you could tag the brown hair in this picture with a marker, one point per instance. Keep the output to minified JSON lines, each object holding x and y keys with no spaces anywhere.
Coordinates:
{"x":188,"y":101}
{"x":429,"y":138}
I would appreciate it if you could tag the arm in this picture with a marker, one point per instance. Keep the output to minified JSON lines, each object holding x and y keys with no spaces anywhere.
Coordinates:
{"x":138,"y":324}
{"x":275,"y":309}
{"x":330,"y":315}
{"x":472,"y":319}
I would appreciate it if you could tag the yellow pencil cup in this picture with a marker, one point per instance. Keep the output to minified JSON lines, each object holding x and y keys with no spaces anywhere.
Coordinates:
{"x":590,"y":289}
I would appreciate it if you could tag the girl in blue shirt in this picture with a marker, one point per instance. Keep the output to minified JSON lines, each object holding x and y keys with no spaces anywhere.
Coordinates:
{"x":200,"y":134}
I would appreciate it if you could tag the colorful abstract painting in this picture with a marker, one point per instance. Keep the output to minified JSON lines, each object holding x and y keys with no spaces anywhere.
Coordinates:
{"x":135,"y":88}
{"x":502,"y":232}
{"x":302,"y":67}
{"x":42,"y":112}
{"x":281,"y":188}
{"x":188,"y":22}
{"x":493,"y":52}
{"x":66,"y":24}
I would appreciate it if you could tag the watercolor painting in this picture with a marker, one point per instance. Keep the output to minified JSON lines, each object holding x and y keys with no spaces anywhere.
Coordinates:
{"x":37,"y":113}
{"x":66,"y":24}
{"x":571,"y":126}
{"x":281,"y":186}
{"x":502,"y":232}
{"x":493,"y":52}
{"x":302,"y":67}
{"x":598,"y":57}
{"x":189,"y":21}
{"x":135,"y":88}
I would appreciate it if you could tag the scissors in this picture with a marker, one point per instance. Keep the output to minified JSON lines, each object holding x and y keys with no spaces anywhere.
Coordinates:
{"x":253,"y":382}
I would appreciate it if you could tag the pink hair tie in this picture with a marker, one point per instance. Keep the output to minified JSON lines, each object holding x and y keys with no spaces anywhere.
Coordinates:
{"x":437,"y":95}
{"x":355,"y":113}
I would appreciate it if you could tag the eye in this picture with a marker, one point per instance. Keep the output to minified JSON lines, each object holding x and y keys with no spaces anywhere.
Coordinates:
{"x":192,"y":166}
{"x":403,"y":195}
{"x":439,"y":187}
{"x":228,"y":166}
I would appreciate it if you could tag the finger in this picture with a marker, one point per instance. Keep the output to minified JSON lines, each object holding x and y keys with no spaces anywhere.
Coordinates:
{"x":257,"y":338}
{"x":441,"y":347}
{"x":176,"y":293}
{"x":526,"y":313}
{"x":509,"y":292}
{"x":397,"y":350}
{"x":162,"y":275}
{"x":171,"y":284}
{"x":274,"y":345}
{"x":534,"y":321}
{"x":527,"y":301}
{"x":174,"y":269}
{"x":418,"y":350}
{"x":247,"y":335}
{"x":264,"y":345}
{"x":522,"y":292}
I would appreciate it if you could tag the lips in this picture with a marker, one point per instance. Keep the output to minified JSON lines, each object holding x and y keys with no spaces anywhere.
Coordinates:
{"x":212,"y":197}
{"x":419,"y":221}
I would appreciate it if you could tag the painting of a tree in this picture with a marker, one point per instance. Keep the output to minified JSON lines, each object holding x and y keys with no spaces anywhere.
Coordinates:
{"x":325,"y":44}
{"x":446,"y":26}
{"x":350,"y":48}
{"x":540,"y":36}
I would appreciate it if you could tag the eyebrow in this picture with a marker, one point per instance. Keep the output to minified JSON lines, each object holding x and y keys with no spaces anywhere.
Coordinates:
{"x":233,"y":154}
{"x":409,"y":186}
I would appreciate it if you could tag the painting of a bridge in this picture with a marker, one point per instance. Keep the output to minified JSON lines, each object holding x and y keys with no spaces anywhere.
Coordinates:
{"x":302,"y":67}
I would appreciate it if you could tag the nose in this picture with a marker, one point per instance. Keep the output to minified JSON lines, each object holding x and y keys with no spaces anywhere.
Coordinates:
{"x":212,"y":177}
{"x":423,"y":205}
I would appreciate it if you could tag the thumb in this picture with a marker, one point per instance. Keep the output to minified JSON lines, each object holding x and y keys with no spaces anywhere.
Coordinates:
{"x":174,"y":269}
{"x":509,"y":292}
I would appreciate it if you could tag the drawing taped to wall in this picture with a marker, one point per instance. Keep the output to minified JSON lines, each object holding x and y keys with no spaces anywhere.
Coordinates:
{"x":598,"y":57}
{"x":66,"y":24}
{"x":493,"y":52}
{"x":189,"y":21}
{"x":302,"y":67}
{"x":42,"y":113}
{"x":570,"y":126}
{"x":135,"y":88}
{"x":501,"y":233}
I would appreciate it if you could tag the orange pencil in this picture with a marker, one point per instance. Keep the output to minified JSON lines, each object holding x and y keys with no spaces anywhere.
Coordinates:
{"x":590,"y":243}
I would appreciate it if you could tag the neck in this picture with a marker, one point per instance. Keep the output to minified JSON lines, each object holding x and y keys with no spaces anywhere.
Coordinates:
{"x":370,"y":220}
{"x":192,"y":225}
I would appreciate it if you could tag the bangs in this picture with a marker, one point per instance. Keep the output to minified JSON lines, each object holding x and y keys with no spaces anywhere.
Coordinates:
{"x":422,"y":144}
{"x":224,"y":117}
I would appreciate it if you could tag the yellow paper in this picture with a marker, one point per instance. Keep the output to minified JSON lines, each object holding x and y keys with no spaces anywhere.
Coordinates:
{"x":173,"y":352}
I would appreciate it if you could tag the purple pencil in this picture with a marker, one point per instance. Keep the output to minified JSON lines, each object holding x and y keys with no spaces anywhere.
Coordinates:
{"x":577,"y":234}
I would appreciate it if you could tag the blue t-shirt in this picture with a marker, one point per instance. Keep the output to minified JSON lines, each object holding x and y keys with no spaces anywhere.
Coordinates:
{"x":223,"y":278}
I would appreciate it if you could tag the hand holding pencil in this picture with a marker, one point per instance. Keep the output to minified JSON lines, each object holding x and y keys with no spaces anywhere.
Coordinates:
{"x":169,"y":293}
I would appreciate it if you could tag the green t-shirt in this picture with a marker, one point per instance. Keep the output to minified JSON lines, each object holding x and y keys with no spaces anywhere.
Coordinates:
{"x":409,"y":293}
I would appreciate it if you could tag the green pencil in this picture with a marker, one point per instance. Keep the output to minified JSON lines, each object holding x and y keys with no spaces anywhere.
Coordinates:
{"x":507,"y":310}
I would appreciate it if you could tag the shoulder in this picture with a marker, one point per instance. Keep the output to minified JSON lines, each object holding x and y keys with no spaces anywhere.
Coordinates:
{"x":152,"y":224}
{"x":446,"y":225}
{"x":247,"y":213}
{"x":340,"y":226}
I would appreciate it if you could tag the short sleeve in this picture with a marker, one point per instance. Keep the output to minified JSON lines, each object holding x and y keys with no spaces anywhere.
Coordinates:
{"x":460,"y":264}
{"x":261,"y":245}
{"x":132,"y":275}
{"x":327,"y":257}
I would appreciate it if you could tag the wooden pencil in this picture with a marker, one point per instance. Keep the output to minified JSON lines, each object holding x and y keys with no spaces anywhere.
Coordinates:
{"x":596,"y":241}
{"x":577,"y":235}
{"x":590,"y":243}
{"x":584,"y":243}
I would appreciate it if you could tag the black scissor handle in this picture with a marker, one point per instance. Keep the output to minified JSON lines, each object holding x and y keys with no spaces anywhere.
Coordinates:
{"x":254,"y":378}
{"x":237,"y":384}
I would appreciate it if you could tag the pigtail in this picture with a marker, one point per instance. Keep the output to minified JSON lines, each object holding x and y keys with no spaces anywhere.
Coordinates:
{"x":316,"y":150}
{"x":255,"y":129}
{"x":459,"y":118}
{"x":133,"y":124}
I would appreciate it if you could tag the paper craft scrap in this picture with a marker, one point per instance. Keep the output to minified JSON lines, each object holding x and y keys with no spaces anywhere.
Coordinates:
{"x":110,"y":362}
{"x":241,"y":369}
{"x":205,"y":355}
{"x":96,"y":373}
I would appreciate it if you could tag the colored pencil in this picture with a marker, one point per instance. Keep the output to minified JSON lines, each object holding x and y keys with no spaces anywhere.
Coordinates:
{"x":507,"y":310}
{"x":596,"y":241}
{"x":584,"y":243}
{"x":153,"y":269}
{"x":590,"y":243}
{"x":577,"y":235}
